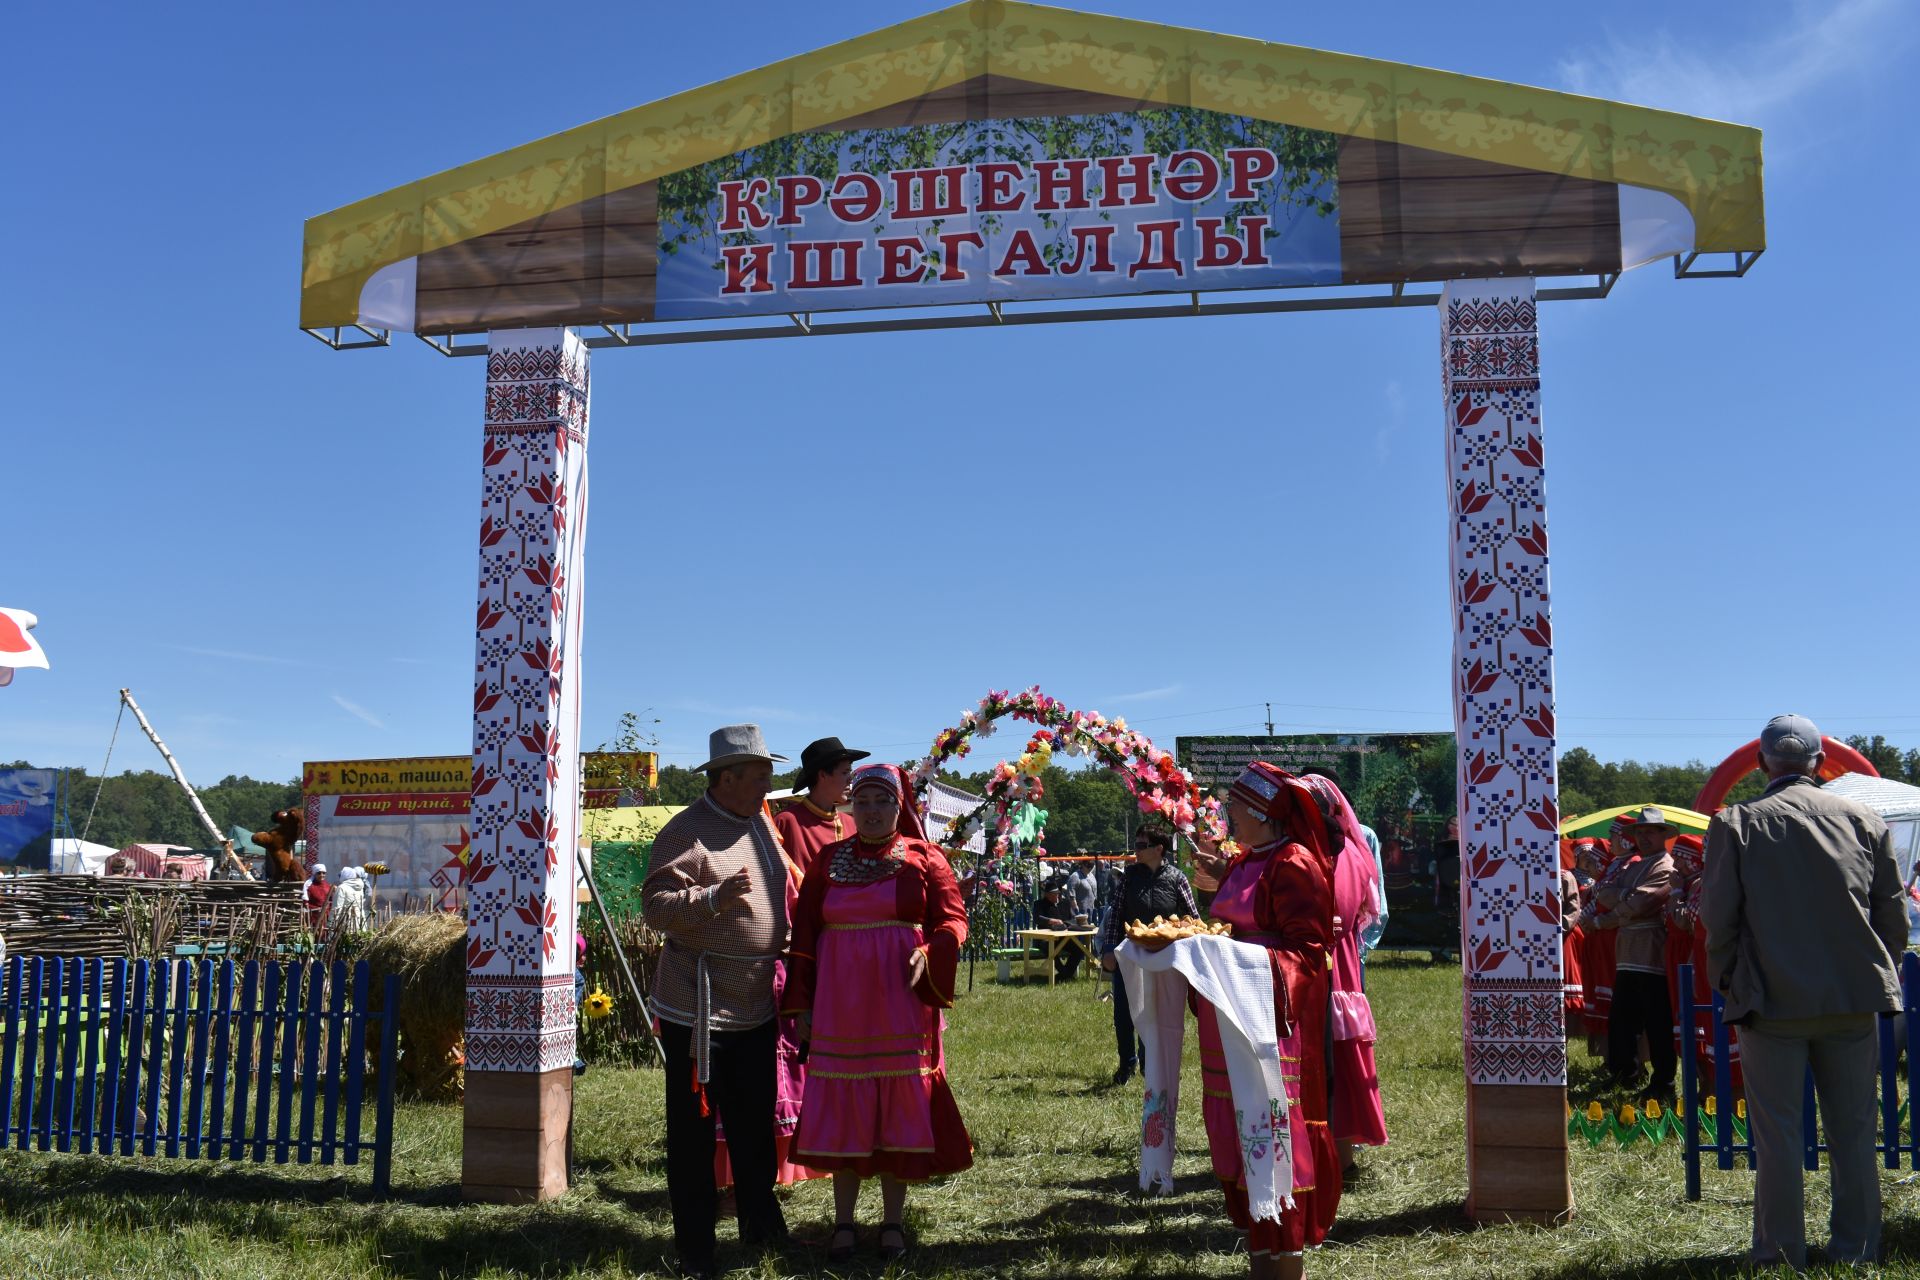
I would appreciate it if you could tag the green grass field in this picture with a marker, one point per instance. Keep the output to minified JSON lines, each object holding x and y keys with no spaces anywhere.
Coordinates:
{"x":1052,"y":1192}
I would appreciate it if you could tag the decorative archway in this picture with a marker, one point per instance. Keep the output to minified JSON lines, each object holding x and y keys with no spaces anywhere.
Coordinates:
{"x":967,"y":169}
{"x":1153,"y":777}
{"x":1839,"y":758}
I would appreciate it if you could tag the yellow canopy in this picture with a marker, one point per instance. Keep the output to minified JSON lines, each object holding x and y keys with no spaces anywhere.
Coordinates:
{"x":1711,"y":168}
{"x":635,"y":824}
{"x":1598,"y":823}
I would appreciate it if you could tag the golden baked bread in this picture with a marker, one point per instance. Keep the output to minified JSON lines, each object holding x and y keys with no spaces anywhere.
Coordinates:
{"x":1162,"y":931}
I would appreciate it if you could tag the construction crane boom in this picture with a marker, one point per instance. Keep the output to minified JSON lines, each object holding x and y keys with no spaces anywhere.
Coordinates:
{"x":193,"y":798}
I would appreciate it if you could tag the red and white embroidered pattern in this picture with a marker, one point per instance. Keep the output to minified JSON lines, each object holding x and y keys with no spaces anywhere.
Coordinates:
{"x":525,"y":819}
{"x":1503,"y":685}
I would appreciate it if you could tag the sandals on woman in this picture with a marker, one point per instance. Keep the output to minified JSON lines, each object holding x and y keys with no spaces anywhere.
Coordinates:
{"x":842,"y":1252}
{"x":891,"y":1252}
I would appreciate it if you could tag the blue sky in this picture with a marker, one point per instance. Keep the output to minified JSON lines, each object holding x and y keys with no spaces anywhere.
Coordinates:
{"x":272,"y":544}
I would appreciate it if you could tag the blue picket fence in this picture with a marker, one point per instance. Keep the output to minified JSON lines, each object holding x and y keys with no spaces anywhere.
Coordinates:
{"x":197,"y":1058}
{"x":1898,"y":1135}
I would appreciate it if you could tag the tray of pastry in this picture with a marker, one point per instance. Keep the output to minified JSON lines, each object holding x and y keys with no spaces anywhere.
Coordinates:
{"x":1162,"y":932}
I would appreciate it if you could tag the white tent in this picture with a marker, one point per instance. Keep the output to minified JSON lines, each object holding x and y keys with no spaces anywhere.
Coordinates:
{"x":80,"y":857}
{"x":1899,"y":804}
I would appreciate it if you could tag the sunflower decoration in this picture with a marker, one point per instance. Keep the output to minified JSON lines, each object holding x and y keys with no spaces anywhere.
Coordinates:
{"x":599,"y":1004}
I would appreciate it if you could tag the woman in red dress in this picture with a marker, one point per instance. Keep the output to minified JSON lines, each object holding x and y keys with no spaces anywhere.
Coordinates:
{"x":1278,"y":893}
{"x":877,"y":934}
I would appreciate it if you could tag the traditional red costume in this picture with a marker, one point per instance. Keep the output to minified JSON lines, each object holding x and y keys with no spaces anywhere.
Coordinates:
{"x":806,"y":830}
{"x":877,"y":1099}
{"x":1280,"y":896}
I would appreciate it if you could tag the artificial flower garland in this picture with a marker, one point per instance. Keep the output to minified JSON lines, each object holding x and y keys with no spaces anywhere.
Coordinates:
{"x":1158,"y":783}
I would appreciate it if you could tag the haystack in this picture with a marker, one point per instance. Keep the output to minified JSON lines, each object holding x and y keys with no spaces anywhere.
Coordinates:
{"x":429,"y":952}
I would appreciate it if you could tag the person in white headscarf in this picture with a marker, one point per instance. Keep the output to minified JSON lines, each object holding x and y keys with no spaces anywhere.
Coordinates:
{"x":351,"y":907}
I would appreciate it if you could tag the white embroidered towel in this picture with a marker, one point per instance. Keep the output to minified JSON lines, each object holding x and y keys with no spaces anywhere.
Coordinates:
{"x":1236,"y":978}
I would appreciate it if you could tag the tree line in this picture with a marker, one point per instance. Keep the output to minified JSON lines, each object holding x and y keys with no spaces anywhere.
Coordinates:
{"x":150,"y":808}
{"x":1087,"y":809}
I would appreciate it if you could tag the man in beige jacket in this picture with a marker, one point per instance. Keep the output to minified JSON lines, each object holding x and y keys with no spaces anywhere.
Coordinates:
{"x":717,"y":889}
{"x":1805,"y":923}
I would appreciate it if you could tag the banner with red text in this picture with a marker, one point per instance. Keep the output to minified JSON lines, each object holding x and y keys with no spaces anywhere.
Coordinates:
{"x":409,"y":815}
{"x":1000,"y":210}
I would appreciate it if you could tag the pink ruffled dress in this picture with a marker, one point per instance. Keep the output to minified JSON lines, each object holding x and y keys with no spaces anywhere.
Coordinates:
{"x":876,"y":1098}
{"x":1358,"y":1116}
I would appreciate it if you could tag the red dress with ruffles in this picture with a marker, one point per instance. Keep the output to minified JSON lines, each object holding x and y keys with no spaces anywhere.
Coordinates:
{"x":877,"y":1099}
{"x":1281,"y":898}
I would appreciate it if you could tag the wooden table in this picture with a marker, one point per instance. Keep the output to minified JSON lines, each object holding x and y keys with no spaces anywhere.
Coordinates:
{"x":1054,"y":940}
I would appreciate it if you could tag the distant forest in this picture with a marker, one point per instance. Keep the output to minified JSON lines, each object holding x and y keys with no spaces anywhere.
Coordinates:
{"x":1087,"y":809}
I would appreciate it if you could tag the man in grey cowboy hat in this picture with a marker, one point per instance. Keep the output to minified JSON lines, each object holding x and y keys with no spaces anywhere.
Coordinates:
{"x":717,"y":888}
{"x":1805,"y":924}
{"x":1632,"y":900}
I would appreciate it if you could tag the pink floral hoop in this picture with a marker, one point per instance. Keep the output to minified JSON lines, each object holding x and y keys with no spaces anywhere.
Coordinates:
{"x":1158,"y":783}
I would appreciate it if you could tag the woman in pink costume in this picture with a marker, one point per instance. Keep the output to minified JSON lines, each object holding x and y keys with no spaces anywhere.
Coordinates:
{"x":1278,"y":893}
{"x":877,"y":934}
{"x":1358,"y":1118}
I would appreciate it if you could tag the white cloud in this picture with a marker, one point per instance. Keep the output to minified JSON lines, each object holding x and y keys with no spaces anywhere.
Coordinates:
{"x":1743,"y":82}
{"x":738,"y":715}
{"x":238,"y":655}
{"x":1141,"y":695}
{"x":357,"y":711}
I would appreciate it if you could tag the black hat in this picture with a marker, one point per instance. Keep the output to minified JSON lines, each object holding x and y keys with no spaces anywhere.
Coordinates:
{"x":823,"y":754}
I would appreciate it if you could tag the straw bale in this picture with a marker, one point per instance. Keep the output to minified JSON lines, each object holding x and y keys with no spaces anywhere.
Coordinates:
{"x":429,"y":953}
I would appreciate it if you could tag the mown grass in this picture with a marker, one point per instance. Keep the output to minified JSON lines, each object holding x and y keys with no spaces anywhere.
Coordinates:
{"x":1052,"y":1192}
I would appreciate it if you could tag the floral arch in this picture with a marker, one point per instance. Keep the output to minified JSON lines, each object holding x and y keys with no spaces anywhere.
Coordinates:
{"x":1157,"y":782}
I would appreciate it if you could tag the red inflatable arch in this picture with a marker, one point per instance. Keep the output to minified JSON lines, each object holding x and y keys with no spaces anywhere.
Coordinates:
{"x":1840,"y":758}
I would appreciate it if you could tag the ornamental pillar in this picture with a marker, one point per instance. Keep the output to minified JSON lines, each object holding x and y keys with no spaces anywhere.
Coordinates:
{"x":1515,"y":1029}
{"x":525,"y":815}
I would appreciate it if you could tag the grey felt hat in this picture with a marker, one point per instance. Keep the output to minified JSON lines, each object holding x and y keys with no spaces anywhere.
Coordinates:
{"x":1652,"y":818}
{"x":737,"y":744}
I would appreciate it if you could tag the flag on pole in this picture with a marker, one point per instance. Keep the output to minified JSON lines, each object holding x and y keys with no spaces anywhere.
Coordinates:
{"x":18,"y":648}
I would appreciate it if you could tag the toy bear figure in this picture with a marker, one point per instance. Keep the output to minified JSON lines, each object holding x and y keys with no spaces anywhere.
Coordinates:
{"x":281,"y":867}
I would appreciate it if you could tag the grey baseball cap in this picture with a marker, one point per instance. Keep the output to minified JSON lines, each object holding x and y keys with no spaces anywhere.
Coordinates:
{"x":1790,"y":737}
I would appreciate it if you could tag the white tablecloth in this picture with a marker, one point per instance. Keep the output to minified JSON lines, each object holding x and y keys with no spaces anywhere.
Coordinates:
{"x":1236,"y":978}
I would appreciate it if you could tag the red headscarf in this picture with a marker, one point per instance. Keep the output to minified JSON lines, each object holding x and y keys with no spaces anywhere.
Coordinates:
{"x":1283,"y":802}
{"x":894,"y":779}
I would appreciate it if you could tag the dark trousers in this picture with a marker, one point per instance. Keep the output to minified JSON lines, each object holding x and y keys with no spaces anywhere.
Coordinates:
{"x":1641,"y":1004}
{"x":1068,"y":962}
{"x":740,"y":1092}
{"x":1123,"y":1026}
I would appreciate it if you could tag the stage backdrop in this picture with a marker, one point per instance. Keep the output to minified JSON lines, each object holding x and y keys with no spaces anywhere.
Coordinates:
{"x":410,"y":814}
{"x":1400,"y":784}
{"x":26,"y":818}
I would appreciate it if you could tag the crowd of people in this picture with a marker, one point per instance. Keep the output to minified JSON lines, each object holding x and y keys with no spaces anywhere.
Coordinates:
{"x":809,"y":956}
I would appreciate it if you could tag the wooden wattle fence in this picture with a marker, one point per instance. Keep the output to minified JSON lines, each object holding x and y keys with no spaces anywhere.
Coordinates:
{"x":199,"y":1059}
